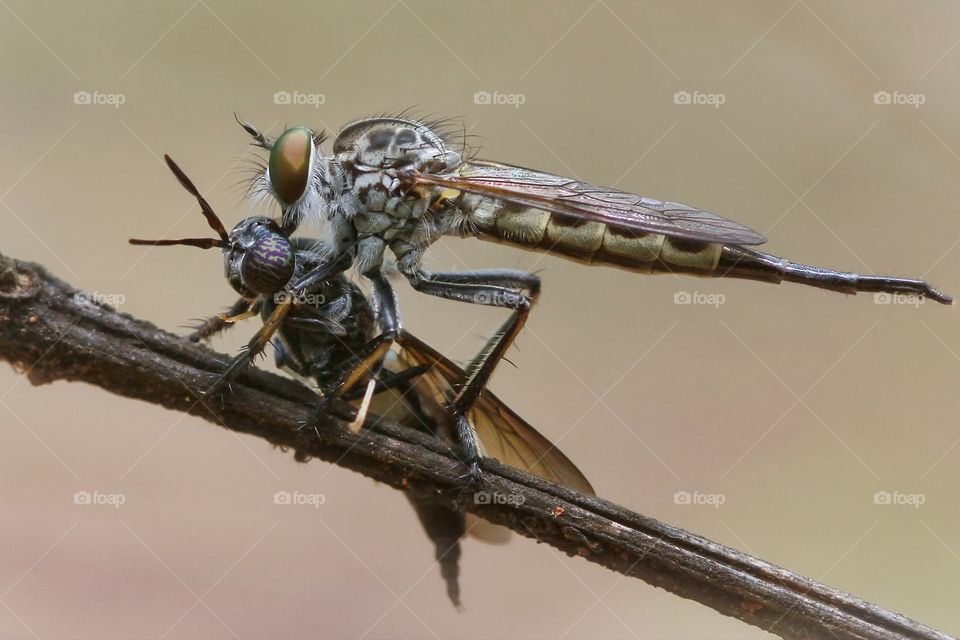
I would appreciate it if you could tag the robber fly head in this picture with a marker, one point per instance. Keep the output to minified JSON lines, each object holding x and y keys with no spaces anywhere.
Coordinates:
{"x":296,"y":175}
{"x":257,"y":257}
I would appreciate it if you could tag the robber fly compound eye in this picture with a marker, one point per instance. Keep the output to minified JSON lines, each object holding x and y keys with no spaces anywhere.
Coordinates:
{"x":291,"y":163}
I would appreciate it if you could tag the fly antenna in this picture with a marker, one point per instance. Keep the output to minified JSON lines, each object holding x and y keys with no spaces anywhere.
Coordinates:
{"x":261,"y":140}
{"x":203,"y":243}
{"x":205,"y":207}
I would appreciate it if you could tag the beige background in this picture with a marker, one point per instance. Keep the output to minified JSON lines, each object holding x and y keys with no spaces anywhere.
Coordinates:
{"x":795,"y":405}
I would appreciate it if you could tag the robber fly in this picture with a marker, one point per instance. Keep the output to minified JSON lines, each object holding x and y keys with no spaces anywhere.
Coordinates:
{"x":399,"y":183}
{"x":322,"y":333}
{"x":395,"y":182}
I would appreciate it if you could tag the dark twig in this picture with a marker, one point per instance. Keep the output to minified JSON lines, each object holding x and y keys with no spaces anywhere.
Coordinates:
{"x":51,"y":333}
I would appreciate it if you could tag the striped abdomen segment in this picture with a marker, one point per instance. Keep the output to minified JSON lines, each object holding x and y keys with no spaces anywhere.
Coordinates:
{"x":595,"y":242}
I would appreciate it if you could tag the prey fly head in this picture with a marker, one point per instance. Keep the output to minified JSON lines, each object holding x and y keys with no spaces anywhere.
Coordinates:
{"x":258,"y":257}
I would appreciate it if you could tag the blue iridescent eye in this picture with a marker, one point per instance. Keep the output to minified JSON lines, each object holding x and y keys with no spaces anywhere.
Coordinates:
{"x":291,"y":161}
{"x":268,"y":264}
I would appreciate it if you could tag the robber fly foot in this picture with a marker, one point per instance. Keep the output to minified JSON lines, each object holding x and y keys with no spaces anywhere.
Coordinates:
{"x":317,"y":415}
{"x":472,"y":487}
{"x":217,"y":390}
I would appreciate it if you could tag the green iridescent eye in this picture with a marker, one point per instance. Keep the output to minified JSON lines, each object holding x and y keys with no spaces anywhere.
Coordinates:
{"x":291,"y":161}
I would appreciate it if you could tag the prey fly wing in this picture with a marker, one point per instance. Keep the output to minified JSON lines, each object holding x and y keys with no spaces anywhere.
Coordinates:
{"x":502,"y":434}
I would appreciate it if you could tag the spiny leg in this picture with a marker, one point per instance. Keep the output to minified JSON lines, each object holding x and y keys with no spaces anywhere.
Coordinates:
{"x":740,"y":262}
{"x":479,"y":372}
{"x":489,"y":287}
{"x":492,"y":287}
{"x":214,"y":325}
{"x":254,"y":347}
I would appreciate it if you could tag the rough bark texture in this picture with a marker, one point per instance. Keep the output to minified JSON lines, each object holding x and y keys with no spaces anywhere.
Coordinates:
{"x":50,"y":333}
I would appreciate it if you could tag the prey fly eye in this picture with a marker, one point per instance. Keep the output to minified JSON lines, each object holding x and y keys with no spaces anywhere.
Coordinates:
{"x":291,"y":162}
{"x":268,"y":263}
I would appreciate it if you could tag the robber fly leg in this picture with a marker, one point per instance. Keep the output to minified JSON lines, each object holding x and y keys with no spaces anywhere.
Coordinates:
{"x":255,"y":347}
{"x":481,"y":368}
{"x":490,"y":287}
{"x":479,"y":371}
{"x":242,"y":308}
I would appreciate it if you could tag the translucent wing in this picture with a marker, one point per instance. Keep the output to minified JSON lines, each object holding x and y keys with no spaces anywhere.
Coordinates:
{"x":579,"y":201}
{"x":502,"y":433}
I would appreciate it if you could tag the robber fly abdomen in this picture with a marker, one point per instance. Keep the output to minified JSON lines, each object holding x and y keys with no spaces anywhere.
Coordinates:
{"x":597,"y":243}
{"x":588,"y":241}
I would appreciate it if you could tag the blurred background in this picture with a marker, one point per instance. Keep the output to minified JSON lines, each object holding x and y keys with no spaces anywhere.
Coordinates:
{"x":815,"y":430}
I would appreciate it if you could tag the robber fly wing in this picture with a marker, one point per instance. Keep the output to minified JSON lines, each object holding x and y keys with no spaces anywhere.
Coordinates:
{"x":577,"y":201}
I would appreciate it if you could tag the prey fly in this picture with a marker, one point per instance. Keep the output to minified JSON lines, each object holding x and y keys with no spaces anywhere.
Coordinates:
{"x":328,"y":335}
